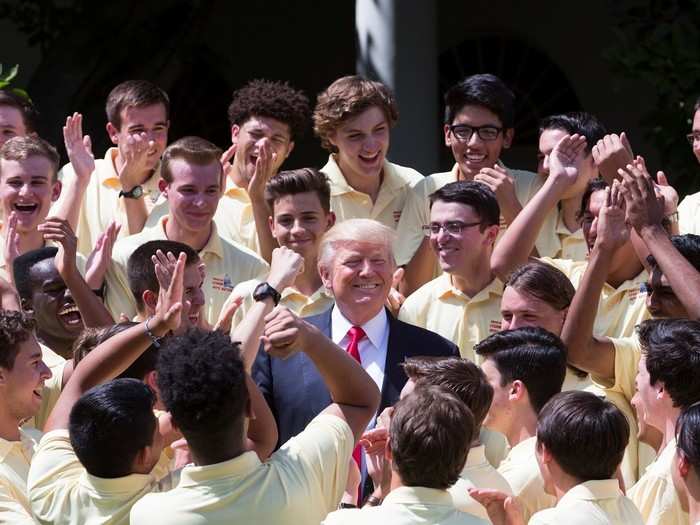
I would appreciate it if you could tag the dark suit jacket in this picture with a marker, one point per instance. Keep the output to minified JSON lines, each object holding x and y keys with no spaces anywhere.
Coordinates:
{"x":296,"y":392}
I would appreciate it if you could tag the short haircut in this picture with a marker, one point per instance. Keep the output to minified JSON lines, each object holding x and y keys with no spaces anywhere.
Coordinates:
{"x":475,"y":194}
{"x":22,"y":267}
{"x":593,"y":186}
{"x":459,"y":376}
{"x":194,"y":150}
{"x":688,"y":435}
{"x":531,"y":355}
{"x":484,"y":90}
{"x":134,"y":94}
{"x":301,"y":180}
{"x":430,"y":438}
{"x":202,"y":383}
{"x":277,"y":100}
{"x":90,"y":338}
{"x":346,"y":98}
{"x":579,"y":122}
{"x":672,"y":351}
{"x":110,"y":424}
{"x":15,"y":328}
{"x":357,"y":230}
{"x":544,"y":282}
{"x":689,"y":247}
{"x":586,"y":434}
{"x":21,"y":148}
{"x":140,"y":271}
{"x":30,"y":116}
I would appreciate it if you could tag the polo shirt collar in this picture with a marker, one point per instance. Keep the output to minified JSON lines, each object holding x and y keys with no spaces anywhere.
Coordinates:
{"x":213,"y":245}
{"x":339,"y":185}
{"x":444,"y":287}
{"x":561,"y":228}
{"x":25,"y":446}
{"x":316,"y":296}
{"x":110,"y":178}
{"x":591,"y":491}
{"x":475,"y":459}
{"x":419,"y":496}
{"x":236,"y":467}
{"x":523,"y":450}
{"x":236,"y":192}
{"x":631,"y":284}
{"x":131,"y":484}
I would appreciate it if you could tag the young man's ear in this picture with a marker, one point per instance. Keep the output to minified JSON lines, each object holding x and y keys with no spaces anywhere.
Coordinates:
{"x":56,"y":190}
{"x":448,"y":139}
{"x":517,"y":390}
{"x":235,"y":131}
{"x":113,"y":133}
{"x":330,"y":217}
{"x":150,"y":298}
{"x":508,"y":137}
{"x":163,"y":187}
{"x":290,"y":148}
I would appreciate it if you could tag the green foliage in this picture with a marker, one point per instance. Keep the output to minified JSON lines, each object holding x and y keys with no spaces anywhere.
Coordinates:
{"x":657,"y":43}
{"x":7,"y":78}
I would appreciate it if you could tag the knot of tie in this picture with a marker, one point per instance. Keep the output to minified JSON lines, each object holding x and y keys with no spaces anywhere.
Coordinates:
{"x":356,"y":334}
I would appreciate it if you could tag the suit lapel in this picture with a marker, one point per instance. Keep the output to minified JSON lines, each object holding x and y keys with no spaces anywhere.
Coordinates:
{"x":394,"y":377}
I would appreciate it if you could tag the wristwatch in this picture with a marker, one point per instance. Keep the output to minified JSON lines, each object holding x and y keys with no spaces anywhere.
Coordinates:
{"x":134,"y":193}
{"x":264,"y":290}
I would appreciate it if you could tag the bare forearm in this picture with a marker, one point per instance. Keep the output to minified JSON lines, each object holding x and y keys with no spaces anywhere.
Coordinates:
{"x":262,"y":430}
{"x":266,"y":242}
{"x":249,"y":331}
{"x":92,"y":309}
{"x":136,"y":214}
{"x":68,"y":205}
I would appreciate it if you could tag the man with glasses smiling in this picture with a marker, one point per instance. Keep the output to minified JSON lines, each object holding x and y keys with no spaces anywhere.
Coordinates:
{"x":689,"y":208}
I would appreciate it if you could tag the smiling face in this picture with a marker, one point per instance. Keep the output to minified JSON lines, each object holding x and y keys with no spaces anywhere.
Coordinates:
{"x":520,"y":309}
{"x":359,"y":277}
{"x":475,"y":154}
{"x":22,"y":385}
{"x":251,"y":135}
{"x":662,"y":301}
{"x":27,"y":189}
{"x":299,"y":221}
{"x":193,"y":195}
{"x":11,"y":123}
{"x":152,"y":120}
{"x":192,"y":280}
{"x":362,"y":142}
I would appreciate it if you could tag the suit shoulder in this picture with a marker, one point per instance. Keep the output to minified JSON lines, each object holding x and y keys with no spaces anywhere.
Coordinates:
{"x":430,"y":342}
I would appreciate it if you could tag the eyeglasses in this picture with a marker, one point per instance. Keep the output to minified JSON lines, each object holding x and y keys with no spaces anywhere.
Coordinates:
{"x":692,"y":137}
{"x":464,"y":132}
{"x":453,"y":228}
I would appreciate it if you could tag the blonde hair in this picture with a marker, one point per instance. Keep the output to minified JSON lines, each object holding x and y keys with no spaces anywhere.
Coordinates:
{"x":357,"y":230}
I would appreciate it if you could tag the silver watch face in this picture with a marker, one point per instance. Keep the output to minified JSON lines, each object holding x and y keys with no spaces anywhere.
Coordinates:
{"x":136,"y":192}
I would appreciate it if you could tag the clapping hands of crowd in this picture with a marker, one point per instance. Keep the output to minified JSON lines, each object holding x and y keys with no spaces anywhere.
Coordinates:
{"x":565,"y":160}
{"x":170,"y":290}
{"x":78,"y":147}
{"x":612,"y":153}
{"x":612,"y":230}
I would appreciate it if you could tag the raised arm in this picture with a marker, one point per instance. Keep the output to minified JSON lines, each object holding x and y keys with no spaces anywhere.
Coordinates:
{"x":256,"y":192}
{"x":116,"y":354}
{"x":518,"y":241}
{"x":354,"y":394}
{"x":587,"y":352}
{"x":645,"y":212}
{"x":262,"y":429}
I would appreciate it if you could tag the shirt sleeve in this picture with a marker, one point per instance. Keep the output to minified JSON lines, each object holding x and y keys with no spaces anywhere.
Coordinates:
{"x":118,"y":297}
{"x":415,"y":214}
{"x":627,"y":354}
{"x":11,"y":510}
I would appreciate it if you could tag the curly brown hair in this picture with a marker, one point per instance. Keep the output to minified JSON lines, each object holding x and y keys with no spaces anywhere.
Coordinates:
{"x":277,"y":100}
{"x":347,"y":97}
{"x":15,"y":328}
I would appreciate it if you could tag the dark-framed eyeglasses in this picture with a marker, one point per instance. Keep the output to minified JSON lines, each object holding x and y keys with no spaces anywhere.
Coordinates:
{"x":692,"y":137}
{"x":453,"y":227}
{"x":464,"y":132}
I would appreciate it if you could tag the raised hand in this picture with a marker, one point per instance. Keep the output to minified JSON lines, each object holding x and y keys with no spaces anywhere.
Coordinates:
{"x":566,"y":158}
{"x":395,"y":298}
{"x":286,"y":264}
{"x":101,"y":256}
{"x":135,"y":160}
{"x":170,"y":294}
{"x":500,"y":182}
{"x":225,"y":319}
{"x":645,"y":206}
{"x":227,"y":163}
{"x":11,"y":249}
{"x":285,"y":333}
{"x":59,"y":231}
{"x":611,"y":153}
{"x":78,"y":147}
{"x":264,"y":169}
{"x":612,"y":231}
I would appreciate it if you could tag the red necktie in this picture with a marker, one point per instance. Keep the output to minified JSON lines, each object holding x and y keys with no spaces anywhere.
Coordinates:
{"x":356,"y":335}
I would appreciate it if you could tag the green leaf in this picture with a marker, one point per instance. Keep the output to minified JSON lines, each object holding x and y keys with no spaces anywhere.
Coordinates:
{"x":12,"y":73}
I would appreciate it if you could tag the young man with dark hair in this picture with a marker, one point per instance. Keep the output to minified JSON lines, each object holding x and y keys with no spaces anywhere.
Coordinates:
{"x":18,"y":117}
{"x":689,"y":208}
{"x":479,"y":125}
{"x":22,"y":377}
{"x":124,"y":186}
{"x":299,"y":202}
{"x":191,"y":181}
{"x":430,"y":435}
{"x":686,"y":467}
{"x":201,"y":379}
{"x":462,"y":304}
{"x":525,"y":367}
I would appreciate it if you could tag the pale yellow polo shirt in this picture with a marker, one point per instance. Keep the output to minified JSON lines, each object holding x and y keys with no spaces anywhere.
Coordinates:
{"x":440,"y":307}
{"x":620,"y":309}
{"x":522,"y":473}
{"x":477,"y":473}
{"x":101,"y":202}
{"x":299,"y":484}
{"x":689,"y":214}
{"x":302,"y":305}
{"x":654,"y":494}
{"x":15,"y":457}
{"x":560,"y":243}
{"x":595,"y":502}
{"x":52,"y":388}
{"x":407,"y":506}
{"x":62,"y":492}
{"x":227,"y":264}
{"x":348,"y":203}
{"x":416,"y":213}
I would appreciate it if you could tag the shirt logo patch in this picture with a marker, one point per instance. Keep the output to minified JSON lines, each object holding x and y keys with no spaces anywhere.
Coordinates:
{"x":494,"y":326}
{"x":632,"y":294}
{"x":222,"y":284}
{"x":397,"y":215}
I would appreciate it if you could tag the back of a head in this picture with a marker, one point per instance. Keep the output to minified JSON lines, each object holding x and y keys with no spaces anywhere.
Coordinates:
{"x":689,"y":247}
{"x":576,"y":122}
{"x":15,"y":328}
{"x":430,"y":438}
{"x":22,"y":266}
{"x":302,"y":180}
{"x":543,"y":281}
{"x":585,"y":434}
{"x":483,"y":90}
{"x":110,"y":424}
{"x":193,"y":150}
{"x":22,"y":148}
{"x":277,"y":100}
{"x":474,"y":194}
{"x":531,"y":355}
{"x":459,"y":376}
{"x":672,"y":351}
{"x":134,"y":93}
{"x":141,"y":272}
{"x":688,"y":436}
{"x":355,"y":230}
{"x":30,"y":116}
{"x":202,"y":383}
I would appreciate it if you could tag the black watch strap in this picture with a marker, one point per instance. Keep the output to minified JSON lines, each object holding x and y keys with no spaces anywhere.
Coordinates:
{"x":134,"y":193}
{"x":264,"y":290}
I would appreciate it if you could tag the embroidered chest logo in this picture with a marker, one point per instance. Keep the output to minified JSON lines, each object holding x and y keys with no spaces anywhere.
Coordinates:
{"x":222,"y":284}
{"x":494,"y":326}
{"x":397,"y":215}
